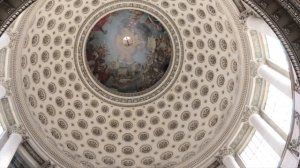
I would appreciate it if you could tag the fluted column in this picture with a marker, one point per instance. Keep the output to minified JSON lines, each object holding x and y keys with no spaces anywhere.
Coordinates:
{"x":2,"y":91}
{"x":226,"y":156}
{"x":9,"y":149}
{"x":267,"y":132}
{"x":279,"y":81}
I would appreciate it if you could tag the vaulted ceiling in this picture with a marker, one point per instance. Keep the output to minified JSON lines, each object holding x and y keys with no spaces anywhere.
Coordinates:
{"x":181,"y":121}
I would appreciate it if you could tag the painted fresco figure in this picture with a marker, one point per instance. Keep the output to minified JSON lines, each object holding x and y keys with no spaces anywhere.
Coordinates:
{"x":99,"y":25}
{"x":133,"y":68}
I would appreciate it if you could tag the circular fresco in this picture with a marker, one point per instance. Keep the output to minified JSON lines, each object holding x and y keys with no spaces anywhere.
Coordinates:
{"x":128,"y":51}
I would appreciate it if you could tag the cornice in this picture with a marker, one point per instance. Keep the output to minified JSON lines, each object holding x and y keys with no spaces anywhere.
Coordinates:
{"x":13,"y":14}
{"x":292,"y":7}
{"x":288,"y":45}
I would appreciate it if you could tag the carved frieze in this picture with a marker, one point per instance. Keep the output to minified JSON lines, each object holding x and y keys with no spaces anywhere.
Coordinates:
{"x":291,"y":43}
{"x":248,"y":111}
{"x":7,"y":85}
{"x":225,"y":151}
{"x":243,"y":18}
{"x":254,"y":65}
{"x":19,"y":129}
{"x":9,"y":13}
{"x":13,"y":37}
{"x":3,"y":52}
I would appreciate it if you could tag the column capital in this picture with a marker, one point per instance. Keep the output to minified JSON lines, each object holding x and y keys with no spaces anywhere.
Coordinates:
{"x":13,"y":37}
{"x":48,"y":164}
{"x":18,"y":129}
{"x":297,"y":87}
{"x":254,"y":66}
{"x":294,"y":146}
{"x":248,"y":111}
{"x":224,"y":152}
{"x":243,"y":18}
{"x":6,"y":83}
{"x":9,"y":149}
{"x":246,"y":13}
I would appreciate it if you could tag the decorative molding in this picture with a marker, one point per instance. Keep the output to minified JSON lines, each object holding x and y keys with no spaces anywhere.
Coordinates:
{"x":297,"y":87}
{"x":248,"y":111}
{"x":244,"y":16}
{"x":7,"y":112}
{"x":290,"y":46}
{"x":48,"y":164}
{"x":253,"y":69}
{"x":7,"y":85}
{"x":296,"y":4}
{"x":236,"y":111}
{"x":18,"y":129}
{"x":3,"y":57}
{"x":241,"y":136}
{"x":290,"y":8}
{"x":257,"y":43}
{"x":47,"y":149}
{"x":32,"y":152}
{"x":13,"y":37}
{"x":241,"y":7}
{"x":244,"y":47}
{"x":19,"y":161}
{"x":224,"y":152}
{"x":215,"y":164}
{"x":13,"y":14}
{"x":130,"y":99}
{"x":254,"y":65}
{"x":294,"y":144}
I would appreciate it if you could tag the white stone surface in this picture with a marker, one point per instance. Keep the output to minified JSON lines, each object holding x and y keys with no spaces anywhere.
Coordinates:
{"x":4,"y":40}
{"x":9,"y":149}
{"x":279,"y":81}
{"x":259,"y":25}
{"x":2,"y":91}
{"x":290,"y":160}
{"x":297,"y":100}
{"x":230,"y":162}
{"x":266,"y":131}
